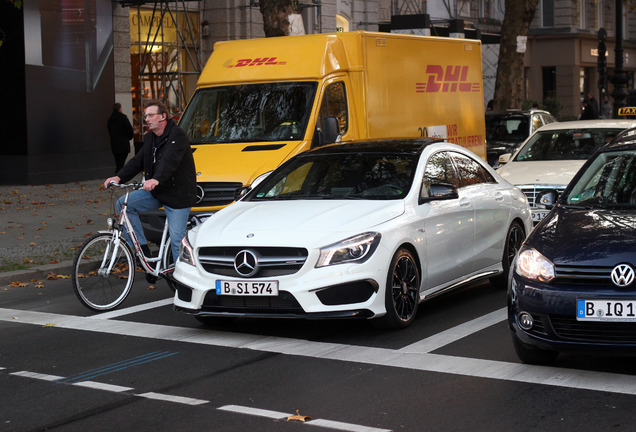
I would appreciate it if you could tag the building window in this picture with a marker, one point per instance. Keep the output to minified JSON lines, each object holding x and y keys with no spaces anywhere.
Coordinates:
{"x":547,"y":13}
{"x":549,"y":82}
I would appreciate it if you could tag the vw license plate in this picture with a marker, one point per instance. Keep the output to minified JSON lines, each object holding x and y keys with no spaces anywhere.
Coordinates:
{"x":247,"y":288}
{"x":605,"y":310}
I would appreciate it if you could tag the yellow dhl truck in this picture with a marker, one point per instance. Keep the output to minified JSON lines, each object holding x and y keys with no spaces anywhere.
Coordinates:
{"x":261,"y":101}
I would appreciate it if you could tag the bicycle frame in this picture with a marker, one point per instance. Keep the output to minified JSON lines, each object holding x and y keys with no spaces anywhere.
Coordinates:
{"x":153,"y":266}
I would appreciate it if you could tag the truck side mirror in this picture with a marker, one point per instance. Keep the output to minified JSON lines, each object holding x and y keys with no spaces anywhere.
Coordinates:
{"x":327,"y":132}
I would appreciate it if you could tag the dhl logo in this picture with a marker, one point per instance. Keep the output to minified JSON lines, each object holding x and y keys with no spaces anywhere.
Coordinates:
{"x":452,"y":79}
{"x":265,"y":61}
{"x":627,"y":111}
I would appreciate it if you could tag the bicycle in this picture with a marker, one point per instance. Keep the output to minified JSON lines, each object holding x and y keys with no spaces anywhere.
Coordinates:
{"x":104,"y":268}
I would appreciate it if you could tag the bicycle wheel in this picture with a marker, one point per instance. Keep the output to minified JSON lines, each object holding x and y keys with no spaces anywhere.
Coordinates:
{"x":95,"y":286}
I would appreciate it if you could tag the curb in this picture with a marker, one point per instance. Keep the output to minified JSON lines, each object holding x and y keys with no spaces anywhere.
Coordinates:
{"x":39,"y":272}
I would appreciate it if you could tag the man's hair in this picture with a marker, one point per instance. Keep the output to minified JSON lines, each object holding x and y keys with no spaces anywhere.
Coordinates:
{"x":117,"y":106}
{"x":162,"y":108}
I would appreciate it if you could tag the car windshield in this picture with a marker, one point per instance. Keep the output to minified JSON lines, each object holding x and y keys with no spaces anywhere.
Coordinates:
{"x":568,"y":144}
{"x":249,"y":113}
{"x":508,"y":128}
{"x":371,"y":176}
{"x":608,"y":182}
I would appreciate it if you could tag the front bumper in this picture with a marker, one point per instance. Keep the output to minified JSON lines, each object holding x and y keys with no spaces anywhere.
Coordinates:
{"x":553,"y":309}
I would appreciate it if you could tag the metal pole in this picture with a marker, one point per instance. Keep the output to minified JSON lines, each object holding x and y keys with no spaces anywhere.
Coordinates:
{"x":619,"y":79}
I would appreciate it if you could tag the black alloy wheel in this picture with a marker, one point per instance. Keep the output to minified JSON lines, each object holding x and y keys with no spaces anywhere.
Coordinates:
{"x":402,"y":291}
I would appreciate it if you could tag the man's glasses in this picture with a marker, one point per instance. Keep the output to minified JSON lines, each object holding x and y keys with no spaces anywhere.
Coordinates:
{"x":150,"y":114}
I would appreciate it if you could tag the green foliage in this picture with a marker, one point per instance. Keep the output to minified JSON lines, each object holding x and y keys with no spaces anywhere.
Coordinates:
{"x":551,"y":105}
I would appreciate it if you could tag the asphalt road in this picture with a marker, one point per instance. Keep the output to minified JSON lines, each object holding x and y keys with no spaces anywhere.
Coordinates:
{"x":146,"y":367}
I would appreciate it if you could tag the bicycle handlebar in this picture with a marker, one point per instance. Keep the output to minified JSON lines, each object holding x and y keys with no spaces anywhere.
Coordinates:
{"x":133,"y":185}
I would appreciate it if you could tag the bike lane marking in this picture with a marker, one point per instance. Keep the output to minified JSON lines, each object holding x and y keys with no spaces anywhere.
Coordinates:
{"x":489,"y":369}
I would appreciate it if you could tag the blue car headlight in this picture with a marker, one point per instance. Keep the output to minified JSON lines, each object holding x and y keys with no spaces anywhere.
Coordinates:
{"x":356,"y":249}
{"x":531,"y":264}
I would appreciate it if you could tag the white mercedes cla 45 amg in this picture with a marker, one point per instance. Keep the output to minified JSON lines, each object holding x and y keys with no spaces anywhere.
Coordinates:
{"x":365,"y":230}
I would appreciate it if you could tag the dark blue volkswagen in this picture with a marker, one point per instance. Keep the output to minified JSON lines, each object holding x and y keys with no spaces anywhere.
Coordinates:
{"x":573,"y":288}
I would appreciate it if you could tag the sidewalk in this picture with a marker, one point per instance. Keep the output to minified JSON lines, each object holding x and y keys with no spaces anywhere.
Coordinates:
{"x":42,"y":226}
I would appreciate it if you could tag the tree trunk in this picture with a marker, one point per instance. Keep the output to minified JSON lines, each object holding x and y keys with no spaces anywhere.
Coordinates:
{"x":509,"y":84}
{"x":276,"y":16}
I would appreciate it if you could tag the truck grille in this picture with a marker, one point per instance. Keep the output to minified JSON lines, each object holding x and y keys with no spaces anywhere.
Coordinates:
{"x":272,"y":261}
{"x":531,"y":191}
{"x":216,"y":193}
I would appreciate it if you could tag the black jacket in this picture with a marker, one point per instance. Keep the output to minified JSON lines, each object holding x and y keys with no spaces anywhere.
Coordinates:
{"x":174,"y":166}
{"x":120,"y":131}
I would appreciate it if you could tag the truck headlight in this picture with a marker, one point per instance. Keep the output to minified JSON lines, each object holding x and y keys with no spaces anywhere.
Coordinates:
{"x":532,"y":265}
{"x":186,"y":252}
{"x":356,"y":249}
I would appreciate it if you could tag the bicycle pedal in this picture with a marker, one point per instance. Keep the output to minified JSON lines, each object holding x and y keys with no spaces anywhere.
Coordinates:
{"x":150,"y":278}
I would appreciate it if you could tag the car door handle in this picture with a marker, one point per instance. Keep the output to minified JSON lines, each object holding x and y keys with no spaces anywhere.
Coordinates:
{"x":499,"y":196}
{"x":464,"y":202}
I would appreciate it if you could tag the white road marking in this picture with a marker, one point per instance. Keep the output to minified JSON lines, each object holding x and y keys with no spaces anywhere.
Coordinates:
{"x":516,"y":372}
{"x":456,"y":333}
{"x":133,"y":309}
{"x":102,"y":386}
{"x":172,"y":398}
{"x":275,"y":415}
{"x":344,"y":426}
{"x":44,"y":377}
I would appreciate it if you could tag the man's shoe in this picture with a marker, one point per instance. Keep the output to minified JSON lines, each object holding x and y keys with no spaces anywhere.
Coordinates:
{"x":150,"y":278}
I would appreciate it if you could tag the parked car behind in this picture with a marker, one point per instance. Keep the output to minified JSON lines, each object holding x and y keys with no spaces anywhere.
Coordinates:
{"x":364,"y":230}
{"x":554,"y":153}
{"x":506,"y":130}
{"x":573,"y":286}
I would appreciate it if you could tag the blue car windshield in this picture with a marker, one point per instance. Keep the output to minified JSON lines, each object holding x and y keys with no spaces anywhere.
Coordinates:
{"x":370,"y":176}
{"x":567,"y":144}
{"x":608,"y":182}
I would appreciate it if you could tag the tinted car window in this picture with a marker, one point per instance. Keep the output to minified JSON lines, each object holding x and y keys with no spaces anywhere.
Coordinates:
{"x":609,"y":181}
{"x":565,"y":144}
{"x":470,"y":171}
{"x":339,"y":176}
{"x":440,"y":170}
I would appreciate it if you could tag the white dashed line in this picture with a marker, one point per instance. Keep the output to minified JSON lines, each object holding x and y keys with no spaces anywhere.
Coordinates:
{"x":171,"y":398}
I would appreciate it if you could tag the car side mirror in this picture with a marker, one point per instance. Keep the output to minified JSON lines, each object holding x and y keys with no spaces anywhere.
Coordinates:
{"x":327,"y":131}
{"x":546,"y":199}
{"x":438,"y":192}
{"x":504,"y":158}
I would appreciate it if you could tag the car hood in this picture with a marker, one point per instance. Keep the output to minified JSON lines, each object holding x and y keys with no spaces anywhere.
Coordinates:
{"x":540,"y":172}
{"x":583,"y":237}
{"x":302,"y":222}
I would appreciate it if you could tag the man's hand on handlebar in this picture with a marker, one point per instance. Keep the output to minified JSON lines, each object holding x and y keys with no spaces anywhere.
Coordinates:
{"x":109,"y":180}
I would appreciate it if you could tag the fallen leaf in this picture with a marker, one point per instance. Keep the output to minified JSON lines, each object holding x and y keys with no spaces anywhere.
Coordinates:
{"x":49,"y":325}
{"x":298,"y":417}
{"x":28,"y":261}
{"x":151,"y":287}
{"x":53,"y":261}
{"x":18,"y":284}
{"x":39,"y":285}
{"x":51,"y":276}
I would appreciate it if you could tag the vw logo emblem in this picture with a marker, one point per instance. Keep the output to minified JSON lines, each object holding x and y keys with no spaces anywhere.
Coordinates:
{"x":623,"y":275}
{"x":246,"y":263}
{"x":200,"y":194}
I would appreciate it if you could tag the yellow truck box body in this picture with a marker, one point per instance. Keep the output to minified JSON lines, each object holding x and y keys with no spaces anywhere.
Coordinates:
{"x":388,"y":85}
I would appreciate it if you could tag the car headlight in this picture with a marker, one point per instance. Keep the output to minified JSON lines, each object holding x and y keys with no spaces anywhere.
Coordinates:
{"x":186,"y":252}
{"x":532,"y":265}
{"x":356,"y":249}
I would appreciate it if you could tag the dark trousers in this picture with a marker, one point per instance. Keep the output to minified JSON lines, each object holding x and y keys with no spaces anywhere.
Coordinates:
{"x":120,"y":159}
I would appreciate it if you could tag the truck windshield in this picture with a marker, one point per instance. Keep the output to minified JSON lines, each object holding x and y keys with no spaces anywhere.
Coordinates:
{"x":249,"y":113}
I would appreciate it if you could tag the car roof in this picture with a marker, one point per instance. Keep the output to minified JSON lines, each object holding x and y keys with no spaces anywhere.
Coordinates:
{"x":411,"y":146}
{"x":589,"y":124}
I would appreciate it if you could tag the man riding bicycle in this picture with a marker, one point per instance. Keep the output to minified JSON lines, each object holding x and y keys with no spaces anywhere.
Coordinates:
{"x":170,"y":177}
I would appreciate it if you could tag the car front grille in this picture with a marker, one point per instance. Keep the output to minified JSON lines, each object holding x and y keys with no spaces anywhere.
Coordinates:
{"x":531,"y":191}
{"x":284,"y":302}
{"x":216,"y":194}
{"x":592,"y":331}
{"x":584,"y":275}
{"x":272,"y":261}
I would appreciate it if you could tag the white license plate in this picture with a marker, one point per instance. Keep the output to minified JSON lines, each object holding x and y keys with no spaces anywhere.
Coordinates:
{"x":538,"y":215}
{"x":605,"y":310}
{"x":247,"y":288}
